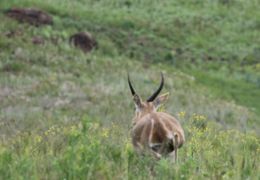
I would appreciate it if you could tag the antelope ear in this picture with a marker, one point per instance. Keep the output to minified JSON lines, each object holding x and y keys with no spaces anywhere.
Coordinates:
{"x":137,"y":101}
{"x":160,"y":100}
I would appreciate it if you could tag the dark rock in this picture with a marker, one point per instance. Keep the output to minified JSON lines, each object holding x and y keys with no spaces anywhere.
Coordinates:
{"x":37,"y":40}
{"x":84,"y":41}
{"x":13,"y":33}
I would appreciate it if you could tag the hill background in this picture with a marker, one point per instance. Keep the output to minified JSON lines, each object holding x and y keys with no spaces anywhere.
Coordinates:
{"x":66,"y":114}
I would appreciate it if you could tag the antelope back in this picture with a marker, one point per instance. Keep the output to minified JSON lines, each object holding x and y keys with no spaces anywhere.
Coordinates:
{"x":157,"y":130}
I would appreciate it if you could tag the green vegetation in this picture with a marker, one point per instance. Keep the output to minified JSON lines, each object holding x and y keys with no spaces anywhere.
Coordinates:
{"x":65,"y":114}
{"x":87,"y":150}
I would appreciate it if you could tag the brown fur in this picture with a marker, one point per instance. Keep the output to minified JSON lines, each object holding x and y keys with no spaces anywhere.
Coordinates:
{"x":155,"y":132}
{"x":158,"y":132}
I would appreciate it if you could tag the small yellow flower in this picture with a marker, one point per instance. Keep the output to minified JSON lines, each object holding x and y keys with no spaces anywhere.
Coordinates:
{"x":182,"y":114}
{"x":202,"y":117}
{"x":105,"y":132}
{"x":46,"y":133}
{"x":198,"y":117}
{"x":128,"y":146}
{"x":38,"y":139}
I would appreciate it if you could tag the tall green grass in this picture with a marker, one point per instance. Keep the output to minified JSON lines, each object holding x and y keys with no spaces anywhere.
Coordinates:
{"x":88,"y":150}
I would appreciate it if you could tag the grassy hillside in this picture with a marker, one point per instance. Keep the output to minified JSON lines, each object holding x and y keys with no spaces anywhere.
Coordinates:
{"x":65,"y":114}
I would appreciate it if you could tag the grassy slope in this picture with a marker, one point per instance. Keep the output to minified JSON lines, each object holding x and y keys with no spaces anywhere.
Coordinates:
{"x":49,"y":93}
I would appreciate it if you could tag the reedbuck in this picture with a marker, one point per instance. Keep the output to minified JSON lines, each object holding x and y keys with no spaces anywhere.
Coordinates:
{"x":158,"y":133}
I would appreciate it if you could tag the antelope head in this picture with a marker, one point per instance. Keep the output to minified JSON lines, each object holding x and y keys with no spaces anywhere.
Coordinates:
{"x":155,"y":132}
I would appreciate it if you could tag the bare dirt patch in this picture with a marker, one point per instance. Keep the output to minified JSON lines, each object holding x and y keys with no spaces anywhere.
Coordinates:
{"x":30,"y":15}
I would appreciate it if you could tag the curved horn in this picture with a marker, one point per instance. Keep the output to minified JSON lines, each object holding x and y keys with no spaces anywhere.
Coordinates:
{"x":130,"y":85}
{"x":155,"y":94}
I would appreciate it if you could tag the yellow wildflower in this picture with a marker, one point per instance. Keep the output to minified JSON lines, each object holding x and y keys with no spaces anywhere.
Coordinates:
{"x":38,"y":139}
{"x":105,"y":132}
{"x":182,"y":114}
